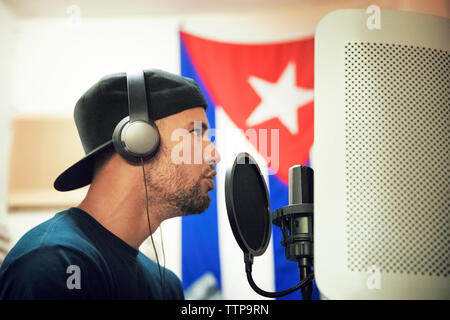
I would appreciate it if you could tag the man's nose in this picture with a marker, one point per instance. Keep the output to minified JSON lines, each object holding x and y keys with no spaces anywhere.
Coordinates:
{"x":213,"y":157}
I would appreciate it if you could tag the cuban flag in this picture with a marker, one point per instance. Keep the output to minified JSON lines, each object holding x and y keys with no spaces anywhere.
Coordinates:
{"x":260,"y":100}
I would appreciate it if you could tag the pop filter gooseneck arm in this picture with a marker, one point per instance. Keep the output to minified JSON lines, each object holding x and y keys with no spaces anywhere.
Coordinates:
{"x":248,"y":258}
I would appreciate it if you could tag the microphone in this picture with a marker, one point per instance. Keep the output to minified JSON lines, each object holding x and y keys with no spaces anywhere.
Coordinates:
{"x":296,"y":222}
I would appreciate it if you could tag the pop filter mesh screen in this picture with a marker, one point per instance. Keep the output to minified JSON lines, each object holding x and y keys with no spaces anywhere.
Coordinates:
{"x":250,"y":203}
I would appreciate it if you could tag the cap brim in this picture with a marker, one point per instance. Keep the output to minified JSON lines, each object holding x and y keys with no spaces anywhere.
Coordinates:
{"x":80,"y":174}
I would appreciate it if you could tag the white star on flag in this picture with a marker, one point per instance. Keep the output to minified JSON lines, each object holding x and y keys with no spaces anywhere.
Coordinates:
{"x":279,"y":100}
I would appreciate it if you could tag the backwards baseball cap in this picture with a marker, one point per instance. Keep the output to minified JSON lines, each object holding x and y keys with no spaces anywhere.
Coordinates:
{"x":105,"y":104}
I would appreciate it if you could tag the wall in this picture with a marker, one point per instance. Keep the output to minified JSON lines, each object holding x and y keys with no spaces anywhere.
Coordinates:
{"x":7,"y":50}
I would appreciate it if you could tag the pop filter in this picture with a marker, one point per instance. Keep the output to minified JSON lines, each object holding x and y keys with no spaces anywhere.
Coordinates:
{"x":248,"y":205}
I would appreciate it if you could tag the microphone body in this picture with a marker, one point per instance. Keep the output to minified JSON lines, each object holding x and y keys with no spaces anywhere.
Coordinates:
{"x":301,"y":192}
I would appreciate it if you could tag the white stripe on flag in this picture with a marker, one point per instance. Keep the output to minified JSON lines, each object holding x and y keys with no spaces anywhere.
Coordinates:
{"x":230,"y":141}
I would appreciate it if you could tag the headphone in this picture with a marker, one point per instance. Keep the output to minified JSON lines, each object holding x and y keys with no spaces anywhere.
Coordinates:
{"x":136,"y":136}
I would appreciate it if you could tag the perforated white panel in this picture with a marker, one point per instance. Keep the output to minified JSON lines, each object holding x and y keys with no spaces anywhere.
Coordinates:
{"x":397,"y":155}
{"x":381,"y":156}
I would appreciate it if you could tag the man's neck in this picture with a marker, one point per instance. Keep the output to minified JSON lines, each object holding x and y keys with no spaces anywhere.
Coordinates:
{"x":121,"y":214}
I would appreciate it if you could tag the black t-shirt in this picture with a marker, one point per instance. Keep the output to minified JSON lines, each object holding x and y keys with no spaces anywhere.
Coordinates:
{"x":72,"y":256}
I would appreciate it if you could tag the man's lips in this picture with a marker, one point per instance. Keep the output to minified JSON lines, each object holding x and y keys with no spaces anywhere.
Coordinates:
{"x":211,"y":175}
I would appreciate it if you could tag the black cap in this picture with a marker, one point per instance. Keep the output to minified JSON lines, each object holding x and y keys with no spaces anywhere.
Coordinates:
{"x":101,"y":108}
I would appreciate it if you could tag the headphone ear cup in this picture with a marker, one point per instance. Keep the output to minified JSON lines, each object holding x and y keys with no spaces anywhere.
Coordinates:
{"x":117,"y":140}
{"x":136,"y":140}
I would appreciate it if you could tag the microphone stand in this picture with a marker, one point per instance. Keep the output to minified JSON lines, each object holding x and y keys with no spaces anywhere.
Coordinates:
{"x":305,"y":272}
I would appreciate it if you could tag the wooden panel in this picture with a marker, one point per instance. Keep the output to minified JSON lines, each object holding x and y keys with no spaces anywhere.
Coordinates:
{"x":42,"y":147}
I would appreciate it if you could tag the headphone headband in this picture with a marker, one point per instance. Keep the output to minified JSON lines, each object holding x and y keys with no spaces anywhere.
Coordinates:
{"x":137,"y":96}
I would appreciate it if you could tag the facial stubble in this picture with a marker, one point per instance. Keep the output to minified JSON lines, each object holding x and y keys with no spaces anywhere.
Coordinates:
{"x":173,"y":189}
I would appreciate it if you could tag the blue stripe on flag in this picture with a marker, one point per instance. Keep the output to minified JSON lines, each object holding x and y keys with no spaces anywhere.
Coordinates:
{"x":200,"y":243}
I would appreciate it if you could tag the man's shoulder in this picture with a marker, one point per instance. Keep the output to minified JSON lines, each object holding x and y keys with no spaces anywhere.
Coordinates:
{"x":48,"y":254}
{"x":46,"y":261}
{"x":42,"y":262}
{"x":46,"y":272}
{"x":59,"y":234}
{"x":56,"y":243}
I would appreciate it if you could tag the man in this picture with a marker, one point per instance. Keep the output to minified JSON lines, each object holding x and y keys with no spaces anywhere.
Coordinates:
{"x":91,"y":251}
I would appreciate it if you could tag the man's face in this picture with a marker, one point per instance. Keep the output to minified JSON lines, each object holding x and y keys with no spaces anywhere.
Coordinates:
{"x":181,"y":173}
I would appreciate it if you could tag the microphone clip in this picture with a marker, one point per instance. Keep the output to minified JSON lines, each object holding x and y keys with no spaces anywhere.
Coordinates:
{"x":296,"y":223}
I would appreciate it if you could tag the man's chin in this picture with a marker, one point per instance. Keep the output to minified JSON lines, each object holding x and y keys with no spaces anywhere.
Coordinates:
{"x":205,"y":205}
{"x":198,"y":208}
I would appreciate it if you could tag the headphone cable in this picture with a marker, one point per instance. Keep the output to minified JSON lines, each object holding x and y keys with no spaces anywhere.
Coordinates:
{"x":150,"y":230}
{"x":164,"y":257}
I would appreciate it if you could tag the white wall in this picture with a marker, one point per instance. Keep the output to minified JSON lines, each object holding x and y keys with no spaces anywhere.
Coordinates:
{"x":7,"y":50}
{"x":47,"y":63}
{"x":56,"y":63}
